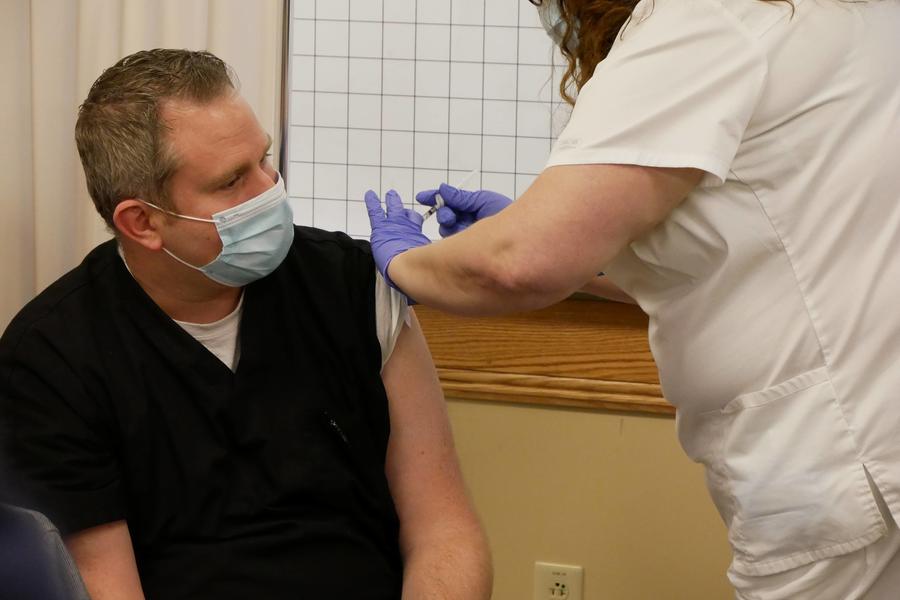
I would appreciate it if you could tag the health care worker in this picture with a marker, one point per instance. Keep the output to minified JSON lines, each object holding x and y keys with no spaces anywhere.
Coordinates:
{"x":734,"y":166}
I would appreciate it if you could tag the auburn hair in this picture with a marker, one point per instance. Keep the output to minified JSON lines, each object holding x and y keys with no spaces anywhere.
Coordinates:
{"x":595,"y":24}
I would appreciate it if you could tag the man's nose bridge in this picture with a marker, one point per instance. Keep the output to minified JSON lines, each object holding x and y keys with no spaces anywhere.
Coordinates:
{"x":263,"y":177}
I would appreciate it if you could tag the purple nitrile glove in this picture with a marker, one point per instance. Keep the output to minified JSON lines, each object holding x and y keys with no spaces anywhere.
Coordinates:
{"x":462,"y":207}
{"x":394,"y":232}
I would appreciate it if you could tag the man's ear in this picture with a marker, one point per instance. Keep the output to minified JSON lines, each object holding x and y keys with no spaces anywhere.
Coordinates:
{"x":138,"y":222}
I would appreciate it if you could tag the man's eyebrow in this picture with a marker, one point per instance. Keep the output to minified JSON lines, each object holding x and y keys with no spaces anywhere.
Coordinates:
{"x":227,"y":176}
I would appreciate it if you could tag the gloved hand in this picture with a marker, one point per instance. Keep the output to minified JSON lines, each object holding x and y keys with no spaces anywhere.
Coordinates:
{"x":461,"y":207}
{"x":392,"y":233}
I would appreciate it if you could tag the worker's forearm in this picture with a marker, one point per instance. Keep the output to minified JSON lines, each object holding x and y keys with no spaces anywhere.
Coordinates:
{"x":473,"y":274}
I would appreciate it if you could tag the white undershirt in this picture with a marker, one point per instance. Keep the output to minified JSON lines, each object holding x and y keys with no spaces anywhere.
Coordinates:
{"x":222,"y":337}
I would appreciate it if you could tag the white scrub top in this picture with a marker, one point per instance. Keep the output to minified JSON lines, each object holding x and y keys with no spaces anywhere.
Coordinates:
{"x":773,"y":290}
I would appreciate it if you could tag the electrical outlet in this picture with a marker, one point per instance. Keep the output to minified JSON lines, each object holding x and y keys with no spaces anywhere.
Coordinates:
{"x":558,"y":582}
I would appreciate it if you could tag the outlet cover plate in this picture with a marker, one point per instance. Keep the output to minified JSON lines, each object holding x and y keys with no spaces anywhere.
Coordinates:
{"x":558,"y":582}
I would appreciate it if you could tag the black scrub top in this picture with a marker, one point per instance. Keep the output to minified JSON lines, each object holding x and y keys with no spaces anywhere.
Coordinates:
{"x":263,"y":483}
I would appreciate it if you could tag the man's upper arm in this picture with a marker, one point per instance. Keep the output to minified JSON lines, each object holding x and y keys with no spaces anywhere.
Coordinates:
{"x":58,"y":442}
{"x":422,"y":467}
{"x":105,"y":558}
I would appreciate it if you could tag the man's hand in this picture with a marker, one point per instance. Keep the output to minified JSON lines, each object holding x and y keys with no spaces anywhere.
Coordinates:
{"x":462,"y":207}
{"x":393,"y":232}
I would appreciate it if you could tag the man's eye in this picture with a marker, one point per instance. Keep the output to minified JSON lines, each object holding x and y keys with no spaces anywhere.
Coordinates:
{"x":265,"y":158}
{"x":231,"y":183}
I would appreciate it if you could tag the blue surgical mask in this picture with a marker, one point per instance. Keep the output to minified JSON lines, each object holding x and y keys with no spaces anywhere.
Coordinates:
{"x":256,"y":236}
{"x":553,"y":23}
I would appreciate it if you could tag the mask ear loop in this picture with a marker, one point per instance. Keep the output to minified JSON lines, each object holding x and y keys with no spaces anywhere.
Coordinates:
{"x":200,"y":219}
{"x":174,"y":214}
{"x":184,"y":262}
{"x":188,"y":217}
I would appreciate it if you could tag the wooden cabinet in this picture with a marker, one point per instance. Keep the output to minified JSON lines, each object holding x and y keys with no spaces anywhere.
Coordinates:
{"x":580,"y":353}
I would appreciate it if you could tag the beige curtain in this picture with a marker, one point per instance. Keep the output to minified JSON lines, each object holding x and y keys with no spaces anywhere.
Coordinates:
{"x":50,"y":53}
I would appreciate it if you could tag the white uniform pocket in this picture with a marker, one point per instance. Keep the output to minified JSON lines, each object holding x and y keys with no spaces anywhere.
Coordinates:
{"x":783,"y":470}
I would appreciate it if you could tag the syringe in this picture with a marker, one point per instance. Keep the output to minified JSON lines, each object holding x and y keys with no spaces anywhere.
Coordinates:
{"x":439,"y":202}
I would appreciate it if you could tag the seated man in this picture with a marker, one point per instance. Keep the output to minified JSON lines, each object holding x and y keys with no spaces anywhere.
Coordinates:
{"x":218,"y":404}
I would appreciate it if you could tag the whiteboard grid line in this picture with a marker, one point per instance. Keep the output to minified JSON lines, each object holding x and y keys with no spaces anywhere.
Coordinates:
{"x":497,"y":63}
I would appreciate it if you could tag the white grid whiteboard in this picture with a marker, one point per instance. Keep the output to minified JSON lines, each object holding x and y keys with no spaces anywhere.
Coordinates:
{"x":406,"y":94}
